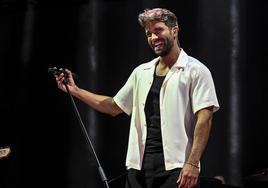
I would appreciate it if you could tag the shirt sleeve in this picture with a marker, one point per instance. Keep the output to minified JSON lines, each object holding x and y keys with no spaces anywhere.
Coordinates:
{"x":124,"y":97}
{"x":203,"y":90}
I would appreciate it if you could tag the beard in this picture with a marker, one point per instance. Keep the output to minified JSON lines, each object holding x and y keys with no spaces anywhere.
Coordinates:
{"x":164,"y":49}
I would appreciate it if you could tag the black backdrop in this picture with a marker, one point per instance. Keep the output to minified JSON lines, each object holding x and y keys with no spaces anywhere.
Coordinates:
{"x":102,"y":42}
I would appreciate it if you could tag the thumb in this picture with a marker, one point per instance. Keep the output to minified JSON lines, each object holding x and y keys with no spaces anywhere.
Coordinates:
{"x":179,"y":179}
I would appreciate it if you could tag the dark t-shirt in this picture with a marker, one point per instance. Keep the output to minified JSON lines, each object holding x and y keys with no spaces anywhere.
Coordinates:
{"x":153,"y":120}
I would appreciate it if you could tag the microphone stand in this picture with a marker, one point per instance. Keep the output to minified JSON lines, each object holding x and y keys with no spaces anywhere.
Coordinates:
{"x":101,"y":171}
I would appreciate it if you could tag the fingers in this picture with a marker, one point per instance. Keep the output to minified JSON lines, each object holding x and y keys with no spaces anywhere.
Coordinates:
{"x":187,"y":182}
{"x":68,"y":72}
{"x":179,"y":179}
{"x":64,"y":74}
{"x":183,"y":182}
{"x":188,"y":178}
{"x":190,"y":182}
{"x":59,"y":80}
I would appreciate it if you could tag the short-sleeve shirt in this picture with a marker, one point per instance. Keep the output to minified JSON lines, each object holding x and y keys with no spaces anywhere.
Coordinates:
{"x":188,"y":87}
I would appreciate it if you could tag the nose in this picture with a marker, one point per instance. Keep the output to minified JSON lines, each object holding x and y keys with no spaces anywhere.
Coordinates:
{"x":154,"y":36}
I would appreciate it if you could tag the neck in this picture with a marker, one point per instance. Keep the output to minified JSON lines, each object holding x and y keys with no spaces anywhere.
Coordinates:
{"x":171,"y":58}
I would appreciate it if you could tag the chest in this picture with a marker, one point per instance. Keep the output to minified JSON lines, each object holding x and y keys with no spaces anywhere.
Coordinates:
{"x":175,"y":84}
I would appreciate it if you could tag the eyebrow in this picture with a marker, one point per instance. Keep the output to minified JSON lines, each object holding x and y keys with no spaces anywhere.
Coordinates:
{"x":157,"y":29}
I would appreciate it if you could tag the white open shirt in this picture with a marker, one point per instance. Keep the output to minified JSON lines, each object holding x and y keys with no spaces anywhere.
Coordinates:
{"x":187,"y":88}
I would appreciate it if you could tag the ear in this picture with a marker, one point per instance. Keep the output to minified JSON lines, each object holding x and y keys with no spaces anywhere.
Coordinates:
{"x":175,"y":30}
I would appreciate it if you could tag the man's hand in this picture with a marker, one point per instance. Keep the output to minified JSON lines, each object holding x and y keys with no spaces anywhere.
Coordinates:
{"x":188,"y":177}
{"x":70,"y":81}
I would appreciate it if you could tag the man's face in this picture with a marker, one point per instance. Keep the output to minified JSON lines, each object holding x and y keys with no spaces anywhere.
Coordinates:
{"x":160,"y":37}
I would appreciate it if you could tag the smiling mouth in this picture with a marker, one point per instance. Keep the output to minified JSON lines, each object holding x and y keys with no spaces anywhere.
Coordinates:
{"x":158,"y":44}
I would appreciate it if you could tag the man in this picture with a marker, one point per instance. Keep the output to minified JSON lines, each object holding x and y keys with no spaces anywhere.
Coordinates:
{"x":171,"y":100}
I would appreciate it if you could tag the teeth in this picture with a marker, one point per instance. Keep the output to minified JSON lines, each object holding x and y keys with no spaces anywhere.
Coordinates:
{"x":157,"y":44}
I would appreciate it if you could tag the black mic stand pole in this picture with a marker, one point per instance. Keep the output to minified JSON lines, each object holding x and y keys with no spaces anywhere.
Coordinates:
{"x":101,"y":171}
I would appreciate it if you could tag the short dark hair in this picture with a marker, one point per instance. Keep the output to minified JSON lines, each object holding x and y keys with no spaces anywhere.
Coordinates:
{"x":158,"y":14}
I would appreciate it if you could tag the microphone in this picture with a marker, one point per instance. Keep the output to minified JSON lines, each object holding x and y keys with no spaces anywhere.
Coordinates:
{"x":56,"y":71}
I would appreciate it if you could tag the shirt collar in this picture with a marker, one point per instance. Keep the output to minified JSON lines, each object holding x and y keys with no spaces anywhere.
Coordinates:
{"x":182,"y":59}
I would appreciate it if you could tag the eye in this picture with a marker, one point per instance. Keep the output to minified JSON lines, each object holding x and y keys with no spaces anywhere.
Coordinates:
{"x":158,"y":30}
{"x":148,"y":34}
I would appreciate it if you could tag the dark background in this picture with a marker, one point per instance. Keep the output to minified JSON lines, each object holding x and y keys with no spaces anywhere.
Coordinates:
{"x":101,"y":41}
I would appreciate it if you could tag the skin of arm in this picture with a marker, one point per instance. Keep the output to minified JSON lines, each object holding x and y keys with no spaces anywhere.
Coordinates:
{"x":101,"y":103}
{"x":190,"y":172}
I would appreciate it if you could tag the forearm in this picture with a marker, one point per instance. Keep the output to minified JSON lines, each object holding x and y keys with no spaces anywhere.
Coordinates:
{"x":190,"y":172}
{"x":201,"y":136}
{"x":101,"y":103}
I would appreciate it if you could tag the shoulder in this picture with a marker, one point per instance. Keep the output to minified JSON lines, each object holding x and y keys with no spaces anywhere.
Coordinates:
{"x":196,"y":67}
{"x":195,"y":63}
{"x":189,"y":63}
